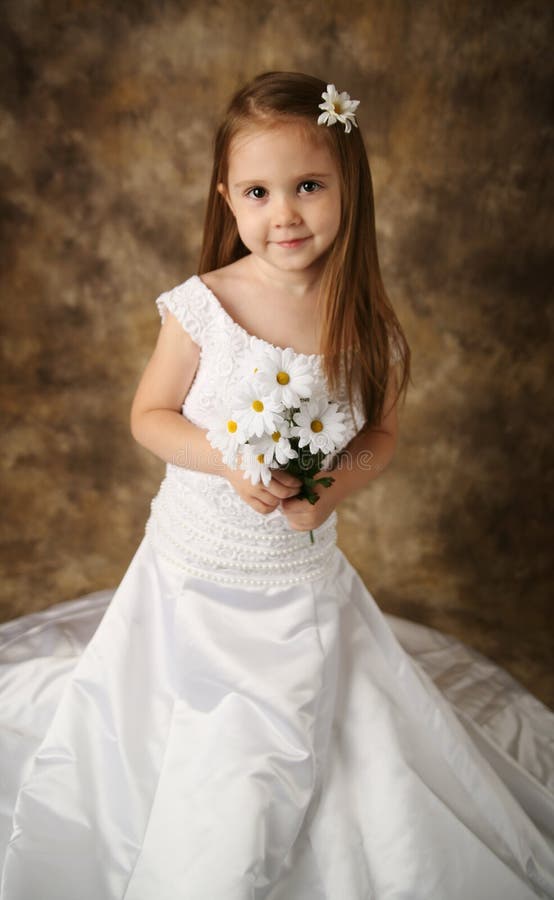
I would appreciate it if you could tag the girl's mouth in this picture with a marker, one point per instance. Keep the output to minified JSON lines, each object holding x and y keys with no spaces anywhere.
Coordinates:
{"x":291,"y":244}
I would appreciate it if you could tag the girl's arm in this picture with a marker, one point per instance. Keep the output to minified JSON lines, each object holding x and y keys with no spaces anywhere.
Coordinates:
{"x":363,"y":459}
{"x":158,"y":424}
{"x":156,"y":420}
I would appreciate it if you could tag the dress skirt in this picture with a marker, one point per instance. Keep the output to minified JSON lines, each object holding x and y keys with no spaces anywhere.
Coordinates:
{"x":180,"y":738}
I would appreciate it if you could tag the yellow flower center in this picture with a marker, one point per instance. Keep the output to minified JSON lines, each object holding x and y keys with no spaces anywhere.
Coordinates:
{"x":255,"y":369}
{"x":316,"y":425}
{"x":283,"y":377}
{"x":276,"y":436}
{"x":231,"y":426}
{"x":257,"y":406}
{"x":260,"y":457}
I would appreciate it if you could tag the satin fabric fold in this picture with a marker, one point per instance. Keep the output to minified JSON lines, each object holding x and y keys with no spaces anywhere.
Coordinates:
{"x":213,"y":742}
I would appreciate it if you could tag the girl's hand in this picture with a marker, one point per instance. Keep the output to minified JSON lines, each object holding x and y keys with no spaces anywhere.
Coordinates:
{"x":261,"y":498}
{"x":304,"y":516}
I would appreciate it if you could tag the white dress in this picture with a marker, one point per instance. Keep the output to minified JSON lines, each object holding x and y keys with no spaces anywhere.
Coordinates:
{"x":238,"y":720}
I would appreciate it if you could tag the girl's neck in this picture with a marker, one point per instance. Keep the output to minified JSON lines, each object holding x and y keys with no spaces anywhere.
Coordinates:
{"x":298,"y":284}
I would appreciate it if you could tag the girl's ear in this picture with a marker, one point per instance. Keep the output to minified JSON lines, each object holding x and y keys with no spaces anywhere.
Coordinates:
{"x":222,"y":189}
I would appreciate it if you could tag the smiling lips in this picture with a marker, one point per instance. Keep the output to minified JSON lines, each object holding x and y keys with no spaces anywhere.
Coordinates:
{"x":295,"y":243}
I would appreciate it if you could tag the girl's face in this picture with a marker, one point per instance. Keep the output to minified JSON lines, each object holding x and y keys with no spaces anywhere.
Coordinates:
{"x":284,"y":191}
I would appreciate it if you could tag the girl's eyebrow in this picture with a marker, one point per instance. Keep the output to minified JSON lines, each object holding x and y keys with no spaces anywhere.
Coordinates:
{"x":303,"y":177}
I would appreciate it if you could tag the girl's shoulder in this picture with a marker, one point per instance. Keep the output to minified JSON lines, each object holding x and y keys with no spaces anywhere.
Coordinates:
{"x":229,"y":285}
{"x":198,"y":306}
{"x":234,"y":278}
{"x":192,"y":305}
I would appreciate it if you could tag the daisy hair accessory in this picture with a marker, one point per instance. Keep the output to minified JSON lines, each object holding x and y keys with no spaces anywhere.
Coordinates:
{"x":338,"y":108}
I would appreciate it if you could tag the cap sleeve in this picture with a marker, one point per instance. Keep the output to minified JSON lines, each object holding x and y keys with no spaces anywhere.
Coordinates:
{"x":188,"y":305}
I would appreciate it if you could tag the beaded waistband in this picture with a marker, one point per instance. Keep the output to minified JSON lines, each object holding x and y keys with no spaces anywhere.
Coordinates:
{"x":204,"y":543}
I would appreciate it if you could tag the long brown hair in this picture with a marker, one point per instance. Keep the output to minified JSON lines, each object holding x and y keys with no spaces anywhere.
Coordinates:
{"x":358,"y":326}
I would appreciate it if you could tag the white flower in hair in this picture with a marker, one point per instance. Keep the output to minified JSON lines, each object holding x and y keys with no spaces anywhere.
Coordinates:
{"x":283,"y":375}
{"x":338,"y":108}
{"x":318,"y":424}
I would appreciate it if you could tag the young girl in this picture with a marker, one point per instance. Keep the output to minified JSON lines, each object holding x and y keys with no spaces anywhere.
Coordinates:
{"x":243,"y":722}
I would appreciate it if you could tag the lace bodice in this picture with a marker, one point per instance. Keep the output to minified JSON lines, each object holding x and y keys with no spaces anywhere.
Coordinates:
{"x":197,"y":520}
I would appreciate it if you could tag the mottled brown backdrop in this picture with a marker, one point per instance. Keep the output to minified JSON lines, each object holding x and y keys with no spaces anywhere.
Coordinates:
{"x":108,"y":114}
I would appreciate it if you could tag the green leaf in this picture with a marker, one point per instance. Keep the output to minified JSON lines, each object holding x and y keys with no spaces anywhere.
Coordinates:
{"x":326,"y":482}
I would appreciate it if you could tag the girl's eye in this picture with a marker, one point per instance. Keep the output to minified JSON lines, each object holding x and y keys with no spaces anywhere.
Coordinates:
{"x":257,"y":192}
{"x":310,"y":186}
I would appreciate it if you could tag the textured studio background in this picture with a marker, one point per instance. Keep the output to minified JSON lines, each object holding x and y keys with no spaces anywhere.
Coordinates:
{"x":108,"y":112}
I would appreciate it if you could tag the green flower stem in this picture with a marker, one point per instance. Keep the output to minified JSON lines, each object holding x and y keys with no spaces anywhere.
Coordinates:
{"x":305,"y":467}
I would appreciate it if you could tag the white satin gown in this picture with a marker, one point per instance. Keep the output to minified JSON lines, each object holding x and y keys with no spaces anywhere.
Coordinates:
{"x":238,"y":720}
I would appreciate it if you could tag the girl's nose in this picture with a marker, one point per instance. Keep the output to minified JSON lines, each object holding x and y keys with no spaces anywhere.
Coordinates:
{"x":285,"y":213}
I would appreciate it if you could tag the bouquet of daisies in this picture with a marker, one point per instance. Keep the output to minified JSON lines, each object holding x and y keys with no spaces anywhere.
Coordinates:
{"x":279,"y":416}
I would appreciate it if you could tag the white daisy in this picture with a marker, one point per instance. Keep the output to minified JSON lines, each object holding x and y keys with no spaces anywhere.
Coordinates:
{"x":284,"y":376}
{"x":255,"y":411}
{"x":227,"y":436}
{"x":338,"y":107}
{"x":318,"y":424}
{"x":254,"y":466}
{"x":276,"y":446}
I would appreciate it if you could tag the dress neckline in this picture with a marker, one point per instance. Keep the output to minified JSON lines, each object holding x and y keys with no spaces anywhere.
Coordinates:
{"x":315,"y":356}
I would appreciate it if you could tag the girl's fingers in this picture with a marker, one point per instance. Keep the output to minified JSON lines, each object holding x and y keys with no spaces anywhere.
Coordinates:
{"x":299,"y":526}
{"x":283,"y":489}
{"x":261,"y":507}
{"x":285,"y":478}
{"x":291,"y":505}
{"x":267,"y":499}
{"x":281,"y":492}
